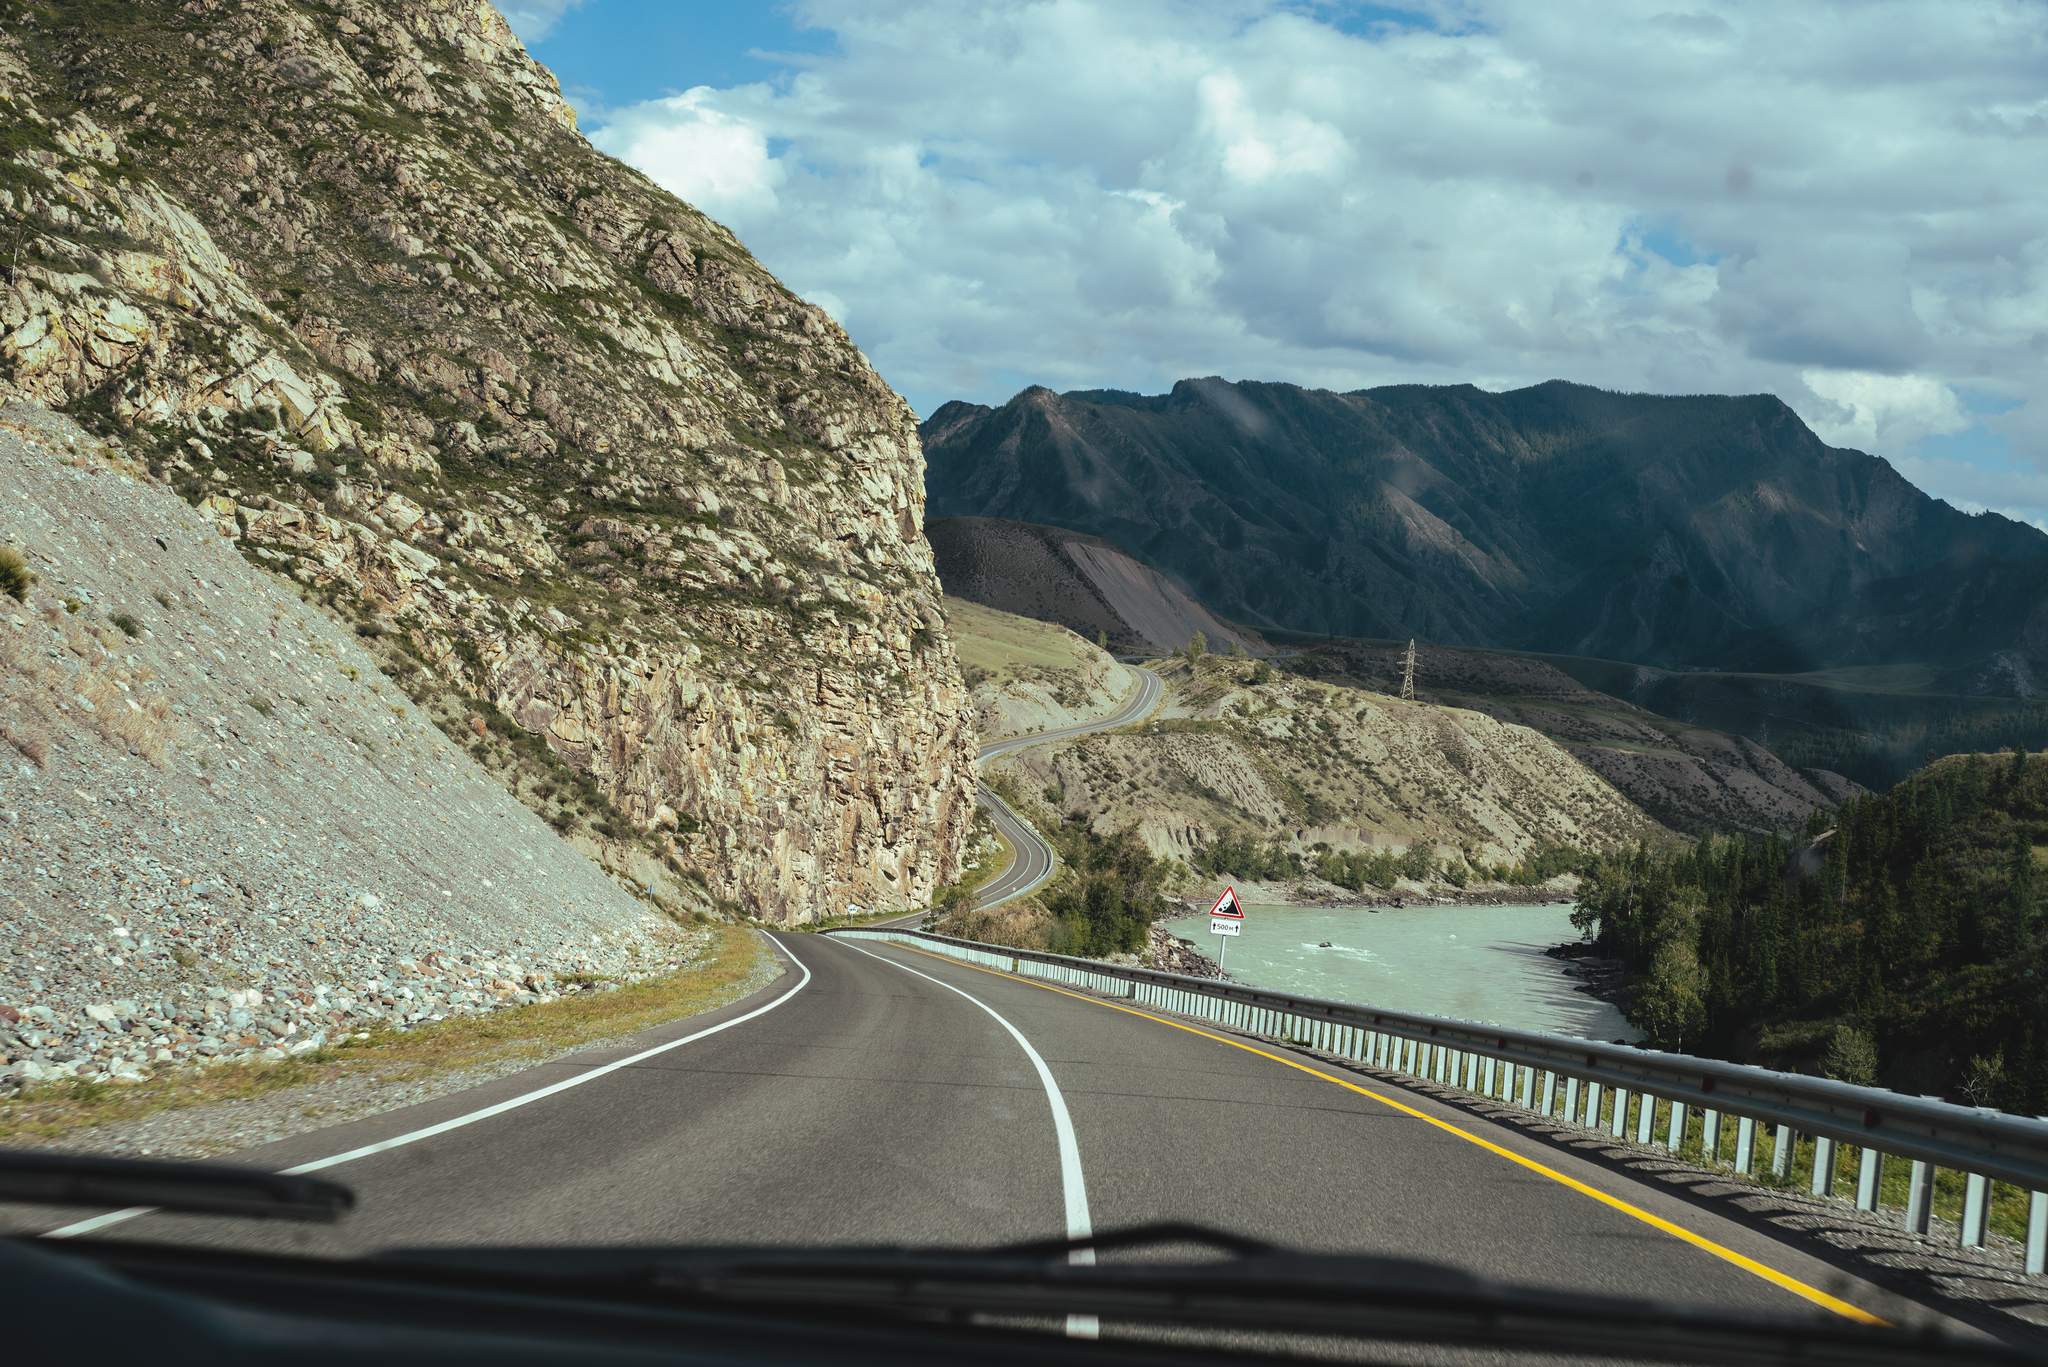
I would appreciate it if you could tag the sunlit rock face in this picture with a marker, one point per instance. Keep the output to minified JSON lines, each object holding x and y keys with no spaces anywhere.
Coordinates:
{"x":350,"y":277}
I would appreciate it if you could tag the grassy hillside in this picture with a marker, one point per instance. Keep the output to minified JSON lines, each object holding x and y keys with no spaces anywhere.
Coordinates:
{"x":1024,"y":675}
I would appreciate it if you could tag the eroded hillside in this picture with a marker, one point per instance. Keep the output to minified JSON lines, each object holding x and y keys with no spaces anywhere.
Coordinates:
{"x":350,"y":277}
{"x":1306,"y":763}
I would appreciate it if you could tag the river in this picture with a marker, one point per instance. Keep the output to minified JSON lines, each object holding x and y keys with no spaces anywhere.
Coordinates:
{"x":1471,"y":963}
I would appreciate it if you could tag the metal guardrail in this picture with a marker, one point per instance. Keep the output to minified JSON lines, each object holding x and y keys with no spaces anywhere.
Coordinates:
{"x":1557,"y":1076}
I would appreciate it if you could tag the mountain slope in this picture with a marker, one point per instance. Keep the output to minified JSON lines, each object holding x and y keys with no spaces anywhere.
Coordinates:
{"x":349,"y":276}
{"x":1558,"y":518}
{"x":1690,"y":777}
{"x":1292,"y":764}
{"x":1082,"y":582}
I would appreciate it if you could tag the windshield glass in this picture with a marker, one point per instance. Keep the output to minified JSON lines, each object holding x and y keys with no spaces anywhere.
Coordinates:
{"x":1075,"y":637}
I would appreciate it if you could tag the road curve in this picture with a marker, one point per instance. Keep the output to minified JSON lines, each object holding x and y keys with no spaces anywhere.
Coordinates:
{"x":1033,"y":864}
{"x":1034,"y":861}
{"x":879,"y":1095}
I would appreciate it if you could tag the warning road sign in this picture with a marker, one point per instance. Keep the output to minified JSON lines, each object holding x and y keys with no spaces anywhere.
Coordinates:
{"x":1228,"y":905}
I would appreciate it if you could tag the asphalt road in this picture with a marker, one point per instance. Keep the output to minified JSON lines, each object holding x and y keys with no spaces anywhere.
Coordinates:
{"x":1033,"y":863}
{"x":877,"y":1094}
{"x":1034,"y":859}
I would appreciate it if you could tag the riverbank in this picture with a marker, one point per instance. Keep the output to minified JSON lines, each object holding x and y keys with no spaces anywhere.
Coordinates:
{"x":1311,"y":892}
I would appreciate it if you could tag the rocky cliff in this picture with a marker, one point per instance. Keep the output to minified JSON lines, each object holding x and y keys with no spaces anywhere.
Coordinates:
{"x":350,"y":278}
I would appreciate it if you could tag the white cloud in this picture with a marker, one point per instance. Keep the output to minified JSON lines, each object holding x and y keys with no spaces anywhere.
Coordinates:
{"x":533,"y":20}
{"x":1873,"y":411}
{"x":1844,"y":205}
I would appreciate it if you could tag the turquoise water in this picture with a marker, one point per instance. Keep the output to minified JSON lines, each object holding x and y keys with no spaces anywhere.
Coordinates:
{"x":1470,"y":963}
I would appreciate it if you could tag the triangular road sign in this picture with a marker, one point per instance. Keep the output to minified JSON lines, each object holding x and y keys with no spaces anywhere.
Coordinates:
{"x":1228,"y":905}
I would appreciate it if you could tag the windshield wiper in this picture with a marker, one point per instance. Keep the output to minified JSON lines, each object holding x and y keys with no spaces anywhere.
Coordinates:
{"x":1260,"y":1288}
{"x":71,"y":1179}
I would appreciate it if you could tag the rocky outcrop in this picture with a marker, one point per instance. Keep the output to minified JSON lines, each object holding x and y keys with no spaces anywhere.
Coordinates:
{"x":349,"y":277}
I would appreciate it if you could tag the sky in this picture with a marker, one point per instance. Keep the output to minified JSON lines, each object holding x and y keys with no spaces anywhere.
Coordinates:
{"x":1845,"y":205}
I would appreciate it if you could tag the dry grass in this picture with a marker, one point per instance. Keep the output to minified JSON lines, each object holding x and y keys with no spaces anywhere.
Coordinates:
{"x":526,"y":1033}
{"x":33,"y":746}
{"x":1022,"y":924}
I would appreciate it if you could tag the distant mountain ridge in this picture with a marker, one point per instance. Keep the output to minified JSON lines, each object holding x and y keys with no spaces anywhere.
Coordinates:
{"x":1677,"y":532}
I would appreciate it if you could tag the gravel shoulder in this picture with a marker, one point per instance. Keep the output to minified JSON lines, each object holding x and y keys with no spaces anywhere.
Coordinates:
{"x":209,"y":1130}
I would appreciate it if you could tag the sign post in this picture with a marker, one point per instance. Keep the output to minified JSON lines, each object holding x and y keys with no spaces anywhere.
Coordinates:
{"x":1226,"y":918}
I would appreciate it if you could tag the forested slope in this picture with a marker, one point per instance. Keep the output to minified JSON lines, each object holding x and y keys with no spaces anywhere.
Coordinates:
{"x":1902,"y":946}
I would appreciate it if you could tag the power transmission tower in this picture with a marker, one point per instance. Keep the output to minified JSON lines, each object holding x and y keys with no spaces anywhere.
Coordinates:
{"x":1408,"y":673}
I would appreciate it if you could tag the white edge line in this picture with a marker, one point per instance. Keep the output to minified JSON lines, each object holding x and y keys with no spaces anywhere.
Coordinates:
{"x":1074,"y":1185}
{"x":99,"y":1222}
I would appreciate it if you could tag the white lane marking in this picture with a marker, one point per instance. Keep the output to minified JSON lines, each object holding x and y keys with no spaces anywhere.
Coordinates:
{"x":1074,"y":1185}
{"x":99,"y":1222}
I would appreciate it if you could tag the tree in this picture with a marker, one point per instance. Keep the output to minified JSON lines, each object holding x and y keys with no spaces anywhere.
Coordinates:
{"x":1851,"y":1057}
{"x":1198,"y":645}
{"x":1262,"y":673}
{"x":1671,"y":1003}
{"x":1102,"y":640}
{"x":1237,"y":650}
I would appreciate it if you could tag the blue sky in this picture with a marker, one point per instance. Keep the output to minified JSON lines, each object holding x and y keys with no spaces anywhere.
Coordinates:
{"x":1843,"y":205}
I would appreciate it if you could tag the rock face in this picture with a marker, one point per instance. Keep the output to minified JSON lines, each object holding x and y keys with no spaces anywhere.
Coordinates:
{"x":1691,"y":778}
{"x":350,"y":277}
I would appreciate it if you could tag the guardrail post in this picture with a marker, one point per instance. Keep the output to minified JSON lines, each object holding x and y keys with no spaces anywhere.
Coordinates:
{"x":1528,"y":1081}
{"x":1571,"y":1100}
{"x":1919,"y":1197}
{"x":1823,"y":1181}
{"x":1592,"y":1106}
{"x":1976,"y":1209}
{"x":1781,"y":1152}
{"x":1710,"y":1136}
{"x":2037,"y":1233}
{"x":1620,"y":1122}
{"x":1745,"y":1144}
{"x":1646,"y":1118}
{"x":1490,"y":1073}
{"x":1869,"y":1173}
{"x":1549,"y":1093}
{"x":1674,"y":1134}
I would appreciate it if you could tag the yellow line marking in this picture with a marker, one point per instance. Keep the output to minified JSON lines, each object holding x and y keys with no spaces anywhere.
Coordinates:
{"x":1699,"y":1241}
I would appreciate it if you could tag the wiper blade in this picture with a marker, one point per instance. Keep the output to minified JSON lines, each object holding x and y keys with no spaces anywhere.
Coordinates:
{"x":1261,"y":1289}
{"x":70,"y":1179}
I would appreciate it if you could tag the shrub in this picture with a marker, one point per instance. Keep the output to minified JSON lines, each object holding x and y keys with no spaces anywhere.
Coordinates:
{"x":14,"y":574}
{"x":129,"y":626}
